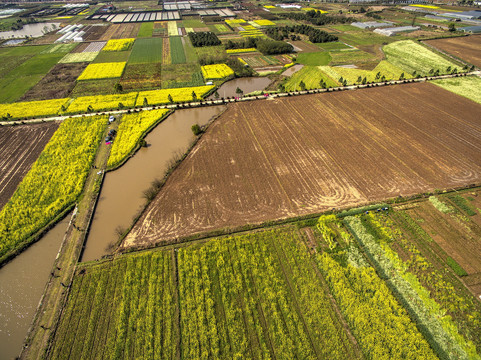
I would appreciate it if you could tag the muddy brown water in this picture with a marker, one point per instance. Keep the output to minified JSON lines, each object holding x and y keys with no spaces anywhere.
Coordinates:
{"x":247,"y":85}
{"x":121,"y":197}
{"x":22,"y":282}
{"x":292,"y":70}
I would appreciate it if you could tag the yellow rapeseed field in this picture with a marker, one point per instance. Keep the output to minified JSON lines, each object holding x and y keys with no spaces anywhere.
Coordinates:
{"x":264,"y":22}
{"x":102,"y":102}
{"x":31,"y":109}
{"x":236,"y":51}
{"x":103,"y":71}
{"x":118,"y":45}
{"x":216,"y":71}
{"x":155,"y":97}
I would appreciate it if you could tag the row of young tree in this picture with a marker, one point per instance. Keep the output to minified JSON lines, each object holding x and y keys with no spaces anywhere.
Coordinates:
{"x":205,"y":38}
{"x":315,"y":35}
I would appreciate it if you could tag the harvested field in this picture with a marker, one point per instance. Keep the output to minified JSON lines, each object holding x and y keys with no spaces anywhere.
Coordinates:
{"x":121,"y":31}
{"x":314,"y":153}
{"x":466,"y":48}
{"x":95,"y":46}
{"x":57,"y":84}
{"x":20,"y":146}
{"x":304,"y":46}
{"x":94,"y":32}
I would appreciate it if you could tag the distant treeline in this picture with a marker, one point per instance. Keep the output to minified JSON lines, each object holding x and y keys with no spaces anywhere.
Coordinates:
{"x":315,"y":35}
{"x":316,"y":18}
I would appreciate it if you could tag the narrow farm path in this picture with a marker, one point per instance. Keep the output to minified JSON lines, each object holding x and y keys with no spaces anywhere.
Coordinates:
{"x":51,"y":305}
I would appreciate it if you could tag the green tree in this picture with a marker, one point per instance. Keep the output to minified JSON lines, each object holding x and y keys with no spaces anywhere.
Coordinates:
{"x":239,"y":91}
{"x":196,"y":129}
{"x":359,"y":79}
{"x":194,"y":96}
{"x":451,"y":27}
{"x":118,"y":88}
{"x":302,"y":85}
{"x":216,"y":94}
{"x":146,"y":103}
{"x":171,"y":100}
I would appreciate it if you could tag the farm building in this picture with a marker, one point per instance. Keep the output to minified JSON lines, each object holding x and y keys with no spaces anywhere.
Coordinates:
{"x":371,"y":24}
{"x":395,"y":30}
{"x":472,"y":29}
{"x":465,"y":15}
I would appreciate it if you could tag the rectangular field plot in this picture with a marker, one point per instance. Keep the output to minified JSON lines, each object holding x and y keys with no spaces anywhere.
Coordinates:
{"x":313,"y":153}
{"x":146,"y":51}
{"x":20,"y":146}
{"x":141,"y":76}
{"x":177,"y":53}
{"x":95,"y":46}
{"x":103,"y":71}
{"x":78,"y":57}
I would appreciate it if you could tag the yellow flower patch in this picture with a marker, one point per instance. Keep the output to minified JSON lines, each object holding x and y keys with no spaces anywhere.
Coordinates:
{"x":103,"y":71}
{"x":216,"y":71}
{"x":118,"y":45}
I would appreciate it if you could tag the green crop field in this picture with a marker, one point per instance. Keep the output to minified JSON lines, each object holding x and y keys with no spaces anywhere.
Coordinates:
{"x":333,"y":46}
{"x":177,"y":53}
{"x":181,"y":75}
{"x":26,"y":75}
{"x":193,"y":23}
{"x":469,"y":87}
{"x":311,"y":76}
{"x":413,"y":57}
{"x":146,"y":51}
{"x":288,"y":292}
{"x":112,"y":56}
{"x":348,"y":57}
{"x":146,"y":29}
{"x":190,"y":54}
{"x":314,"y":58}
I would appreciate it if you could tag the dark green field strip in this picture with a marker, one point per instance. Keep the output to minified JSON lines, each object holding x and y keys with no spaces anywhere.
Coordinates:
{"x":177,"y":53}
{"x":26,"y":75}
{"x":146,"y":29}
{"x":147,"y":50}
{"x":112,"y":56}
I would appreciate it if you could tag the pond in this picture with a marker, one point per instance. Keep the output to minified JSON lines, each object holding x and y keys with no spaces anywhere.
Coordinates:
{"x":247,"y":85}
{"x":30,"y":30}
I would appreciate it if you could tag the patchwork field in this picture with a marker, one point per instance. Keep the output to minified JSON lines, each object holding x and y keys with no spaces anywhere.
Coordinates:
{"x":314,"y":153}
{"x":466,"y":48}
{"x":57,"y":84}
{"x":20,"y":146}
{"x":146,"y":51}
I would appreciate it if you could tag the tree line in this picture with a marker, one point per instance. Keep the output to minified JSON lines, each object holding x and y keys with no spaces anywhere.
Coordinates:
{"x":206,"y":38}
{"x":315,"y":35}
{"x":317,"y":18}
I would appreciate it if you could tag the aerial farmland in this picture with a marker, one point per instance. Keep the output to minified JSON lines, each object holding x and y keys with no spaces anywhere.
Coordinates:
{"x":240,"y":180}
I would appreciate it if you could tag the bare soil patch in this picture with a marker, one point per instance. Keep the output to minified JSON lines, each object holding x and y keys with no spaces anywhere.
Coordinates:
{"x":305,"y":46}
{"x":57,"y":84}
{"x":276,"y":159}
{"x":121,"y":31}
{"x":94,"y":32}
{"x":20,"y":146}
{"x":467,"y":48}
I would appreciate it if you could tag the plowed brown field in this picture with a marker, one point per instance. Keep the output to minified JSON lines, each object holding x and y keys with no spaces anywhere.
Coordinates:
{"x":20,"y":146}
{"x":467,"y":48}
{"x":274,"y":159}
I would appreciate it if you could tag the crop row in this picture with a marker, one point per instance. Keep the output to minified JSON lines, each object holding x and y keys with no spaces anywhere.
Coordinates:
{"x":54,"y":182}
{"x":122,"y":309}
{"x":439,"y":329}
